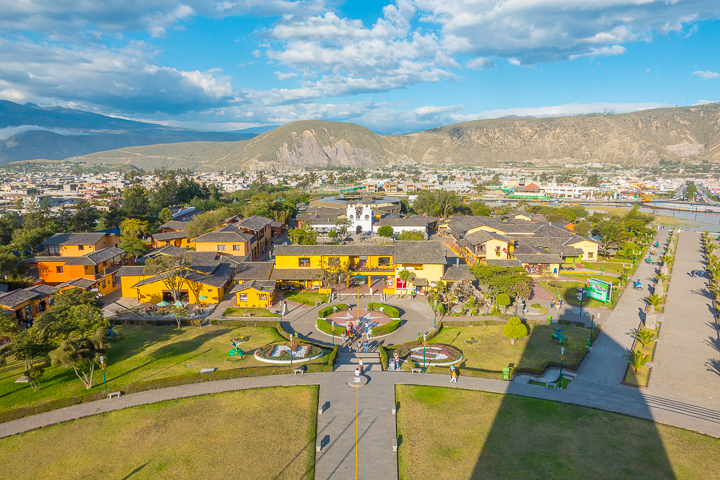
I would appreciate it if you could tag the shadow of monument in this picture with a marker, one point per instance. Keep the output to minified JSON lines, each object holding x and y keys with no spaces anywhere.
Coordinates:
{"x":549,"y":437}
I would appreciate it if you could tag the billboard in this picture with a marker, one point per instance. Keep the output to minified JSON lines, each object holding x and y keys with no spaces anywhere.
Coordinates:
{"x":598,"y":290}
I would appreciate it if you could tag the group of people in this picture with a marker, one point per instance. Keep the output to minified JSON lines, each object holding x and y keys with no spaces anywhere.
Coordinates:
{"x":556,"y":304}
{"x":697,"y":273}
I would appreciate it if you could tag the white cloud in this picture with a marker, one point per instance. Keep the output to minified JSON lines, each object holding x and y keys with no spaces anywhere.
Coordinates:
{"x":481,"y":63}
{"x":602,"y":51}
{"x":285,"y":76}
{"x":706,"y":75}
{"x":569,"y":109}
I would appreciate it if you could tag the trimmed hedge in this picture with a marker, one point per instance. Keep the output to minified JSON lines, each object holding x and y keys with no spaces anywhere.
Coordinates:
{"x":388,"y":310}
{"x":331,"y":357}
{"x":325,"y":312}
{"x":383,"y":357}
{"x":385,"y":329}
{"x":325,"y":327}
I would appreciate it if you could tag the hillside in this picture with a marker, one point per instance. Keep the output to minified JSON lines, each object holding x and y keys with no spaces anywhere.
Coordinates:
{"x":29,"y":132}
{"x":642,"y":137}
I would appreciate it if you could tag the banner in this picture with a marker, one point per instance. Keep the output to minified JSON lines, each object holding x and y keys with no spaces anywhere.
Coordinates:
{"x":598,"y":290}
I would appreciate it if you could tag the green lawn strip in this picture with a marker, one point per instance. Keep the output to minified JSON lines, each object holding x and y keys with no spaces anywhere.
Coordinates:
{"x":386,"y":329}
{"x":306,"y":298}
{"x":214,"y":436}
{"x":388,"y":310}
{"x":253,"y":312}
{"x":326,"y":327}
{"x":639,"y":378}
{"x":493,"y":351}
{"x":145,"y":353}
{"x":329,"y":310}
{"x":583,"y":276}
{"x":540,"y":308}
{"x":607,"y":266}
{"x":569,"y":290}
{"x":451,"y":433}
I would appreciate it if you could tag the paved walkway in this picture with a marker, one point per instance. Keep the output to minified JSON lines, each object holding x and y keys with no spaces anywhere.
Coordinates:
{"x":605,"y":365}
{"x":688,"y":338}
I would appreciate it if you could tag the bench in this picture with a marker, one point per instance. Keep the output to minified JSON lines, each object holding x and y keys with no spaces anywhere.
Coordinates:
{"x":299,"y":370}
{"x":114,"y":395}
{"x":318,"y":445}
{"x":247,"y":315}
{"x":416,"y":370}
{"x":395,"y":445}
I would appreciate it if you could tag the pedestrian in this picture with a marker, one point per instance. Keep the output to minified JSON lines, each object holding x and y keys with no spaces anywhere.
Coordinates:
{"x":342,"y":337}
{"x":360,"y":365}
{"x":692,"y":273}
{"x":453,"y":374}
{"x":365,"y":347}
{"x":351,"y":346}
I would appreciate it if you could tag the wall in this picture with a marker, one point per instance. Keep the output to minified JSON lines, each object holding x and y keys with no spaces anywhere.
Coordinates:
{"x":587,"y":248}
{"x":253,"y":298}
{"x":153,"y":292}
{"x":213,"y":247}
{"x":491,"y":245}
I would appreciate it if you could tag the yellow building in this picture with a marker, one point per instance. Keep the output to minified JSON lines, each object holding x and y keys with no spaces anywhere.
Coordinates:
{"x":254,"y":294}
{"x":229,"y":240}
{"x":484,"y":244}
{"x":425,"y":260}
{"x":78,"y":244}
{"x":207,"y":283}
{"x":27,"y":303}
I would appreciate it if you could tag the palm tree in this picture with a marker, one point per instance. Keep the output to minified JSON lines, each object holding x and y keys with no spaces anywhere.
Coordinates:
{"x":661,"y":278}
{"x":637,"y":359}
{"x":654,"y":301}
{"x":667,"y":260}
{"x":715,"y":289}
{"x":709,"y":248}
{"x":643,"y":335}
{"x":82,"y":353}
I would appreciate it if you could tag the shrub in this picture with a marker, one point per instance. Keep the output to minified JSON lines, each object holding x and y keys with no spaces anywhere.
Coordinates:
{"x":331,"y":357}
{"x":515,"y":329}
{"x":388,"y":310}
{"x":503,"y":300}
{"x":326,"y":327}
{"x":385,"y":231}
{"x":535,"y":305}
{"x":383,"y":357}
{"x":385,"y":329}
{"x":333,"y":234}
{"x":327,"y":311}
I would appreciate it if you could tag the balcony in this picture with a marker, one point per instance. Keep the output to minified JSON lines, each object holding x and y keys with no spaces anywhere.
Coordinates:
{"x":362,"y":267}
{"x":104,"y":273}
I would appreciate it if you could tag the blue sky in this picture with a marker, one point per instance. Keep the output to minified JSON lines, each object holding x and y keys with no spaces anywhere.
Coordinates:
{"x":393,"y":67}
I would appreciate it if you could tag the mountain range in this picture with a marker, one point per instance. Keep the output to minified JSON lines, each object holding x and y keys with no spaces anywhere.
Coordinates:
{"x":643,"y":137}
{"x":29,"y":132}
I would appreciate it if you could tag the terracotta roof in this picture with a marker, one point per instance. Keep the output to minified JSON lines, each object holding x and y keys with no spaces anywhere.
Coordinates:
{"x":458,"y":272}
{"x":408,"y":252}
{"x":74,"y":239}
{"x":259,"y":285}
{"x":294,"y":273}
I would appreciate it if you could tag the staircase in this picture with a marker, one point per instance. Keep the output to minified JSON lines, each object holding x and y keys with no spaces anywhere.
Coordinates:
{"x":346,"y":362}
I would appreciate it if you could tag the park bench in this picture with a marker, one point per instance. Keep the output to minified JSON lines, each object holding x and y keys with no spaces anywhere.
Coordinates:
{"x":416,"y":370}
{"x":299,"y":370}
{"x":246,"y":315}
{"x":395,"y":445}
{"x":318,"y":445}
{"x":114,"y":395}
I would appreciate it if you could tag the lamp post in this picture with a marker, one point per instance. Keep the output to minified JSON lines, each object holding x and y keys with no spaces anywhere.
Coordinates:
{"x":562,"y":352}
{"x":291,"y":346}
{"x":582,"y":299}
{"x":435,"y":312}
{"x":333,"y":332}
{"x":592,"y":324}
{"x":102,"y":365}
{"x":424,"y":344}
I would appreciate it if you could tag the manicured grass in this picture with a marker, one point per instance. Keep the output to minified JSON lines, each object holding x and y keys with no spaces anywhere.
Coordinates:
{"x":214,"y":436}
{"x":306,"y":298}
{"x":386,"y":329}
{"x":144,"y":353}
{"x":641,"y":377}
{"x":584,"y":276}
{"x":450,"y":433}
{"x":326,"y":327}
{"x":607,"y":266}
{"x":493,"y":351}
{"x":569,"y":290}
{"x":253,"y":312}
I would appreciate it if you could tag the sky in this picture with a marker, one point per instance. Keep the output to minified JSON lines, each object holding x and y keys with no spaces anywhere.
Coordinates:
{"x":393,"y":67}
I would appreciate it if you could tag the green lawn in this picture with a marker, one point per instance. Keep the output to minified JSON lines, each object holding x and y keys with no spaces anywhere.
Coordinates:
{"x":306,"y":297}
{"x":493,"y":352}
{"x":253,"y":312}
{"x":144,"y":353}
{"x":607,"y":266}
{"x":215,"y":436}
{"x":569,"y":290}
{"x":450,"y":433}
{"x":584,"y":276}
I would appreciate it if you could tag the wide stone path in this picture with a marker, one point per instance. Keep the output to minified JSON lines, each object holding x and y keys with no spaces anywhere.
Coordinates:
{"x":605,"y":365}
{"x":688,"y":338}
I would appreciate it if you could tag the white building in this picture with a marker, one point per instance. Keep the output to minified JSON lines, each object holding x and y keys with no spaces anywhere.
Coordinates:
{"x":568,"y":191}
{"x":360,"y":216}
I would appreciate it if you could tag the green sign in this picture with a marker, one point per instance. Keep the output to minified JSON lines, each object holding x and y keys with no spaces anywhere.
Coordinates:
{"x":598,"y":290}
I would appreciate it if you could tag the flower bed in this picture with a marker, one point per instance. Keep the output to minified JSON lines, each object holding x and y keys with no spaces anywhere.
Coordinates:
{"x":434,"y":354}
{"x":282,"y":351}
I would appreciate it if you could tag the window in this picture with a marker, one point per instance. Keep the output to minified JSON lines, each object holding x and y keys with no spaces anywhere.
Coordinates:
{"x":58,"y":269}
{"x":367,"y":217}
{"x":53,"y":249}
{"x":102,"y":284}
{"x":237,"y":248}
{"x":243,"y":297}
{"x":221,"y":248}
{"x":334,"y":261}
{"x":384,"y":261}
{"x":304,"y":262}
{"x":263,"y":296}
{"x":590,"y":254}
{"x":81,"y":247}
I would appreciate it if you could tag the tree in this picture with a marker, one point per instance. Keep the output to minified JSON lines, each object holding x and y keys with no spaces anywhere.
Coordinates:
{"x":73,"y":312}
{"x":135,"y":201}
{"x":611,"y":232}
{"x":479,"y":209}
{"x":583,"y":228}
{"x":303,"y":236}
{"x":25,"y":239}
{"x":643,"y":335}
{"x":513,"y":281}
{"x":332,"y":274}
{"x":343,"y":223}
{"x":180,"y":313}
{"x":503,"y":300}
{"x":134,"y":246}
{"x":386,"y":231}
{"x":406,"y":276}
{"x":413,"y":235}
{"x":172,"y":271}
{"x":134,"y":228}
{"x":332,"y":234}
{"x":34,"y":373}
{"x":30,"y":344}
{"x":82,"y":353}
{"x":9,"y":223}
{"x":84,"y":219}
{"x":515,"y":329}
{"x":637,"y":360}
{"x":112,"y":218}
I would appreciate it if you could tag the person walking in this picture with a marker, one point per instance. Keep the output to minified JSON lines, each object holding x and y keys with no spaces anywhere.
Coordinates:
{"x":365,"y":347}
{"x":342,"y":338}
{"x":453,"y":374}
{"x":360,"y":365}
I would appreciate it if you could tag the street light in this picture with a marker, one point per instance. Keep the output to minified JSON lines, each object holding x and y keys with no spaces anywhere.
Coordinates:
{"x":562,"y":352}
{"x":424,"y":344}
{"x":102,"y":365}
{"x":333,"y":332}
{"x":582,"y":299}
{"x":435,"y":312}
{"x":592,"y":324}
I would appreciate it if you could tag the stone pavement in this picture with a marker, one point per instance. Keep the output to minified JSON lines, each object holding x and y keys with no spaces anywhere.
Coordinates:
{"x":688,"y":338}
{"x":605,"y":365}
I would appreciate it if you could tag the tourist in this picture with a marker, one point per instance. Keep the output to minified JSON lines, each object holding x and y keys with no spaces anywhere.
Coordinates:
{"x":692,"y":273}
{"x":453,"y":374}
{"x":365,"y":347}
{"x":342,"y":337}
{"x":360,"y":365}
